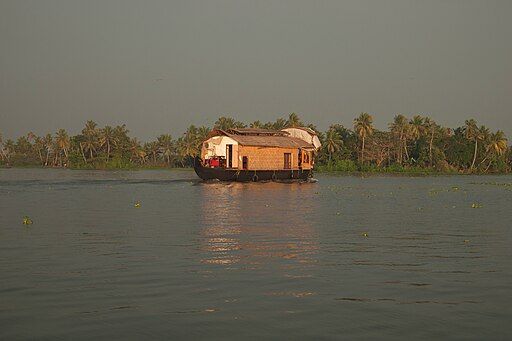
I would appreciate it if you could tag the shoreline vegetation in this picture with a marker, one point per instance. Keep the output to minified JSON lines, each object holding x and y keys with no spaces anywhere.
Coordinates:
{"x":416,"y":145}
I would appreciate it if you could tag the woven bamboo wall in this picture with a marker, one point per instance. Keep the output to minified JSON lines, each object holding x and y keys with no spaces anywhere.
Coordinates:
{"x":266,"y":158}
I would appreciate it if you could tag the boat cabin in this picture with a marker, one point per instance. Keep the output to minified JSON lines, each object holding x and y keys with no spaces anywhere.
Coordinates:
{"x":260,"y":149}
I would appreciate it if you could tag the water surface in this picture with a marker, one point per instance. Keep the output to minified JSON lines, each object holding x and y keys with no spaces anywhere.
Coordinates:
{"x":347,"y":257}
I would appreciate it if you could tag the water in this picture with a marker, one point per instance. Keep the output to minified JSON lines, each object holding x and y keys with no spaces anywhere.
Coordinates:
{"x":253,"y":261}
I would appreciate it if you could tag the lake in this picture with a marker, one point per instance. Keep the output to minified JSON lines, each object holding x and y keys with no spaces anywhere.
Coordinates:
{"x":388,"y":257}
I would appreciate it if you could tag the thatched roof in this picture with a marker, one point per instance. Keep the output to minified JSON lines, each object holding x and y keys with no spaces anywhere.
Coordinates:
{"x":263,"y":138}
{"x":255,"y":131}
{"x":271,"y":141}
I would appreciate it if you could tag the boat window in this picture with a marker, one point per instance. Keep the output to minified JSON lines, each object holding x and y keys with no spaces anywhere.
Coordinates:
{"x":306,"y":157}
{"x":245,"y":162}
{"x":287,"y":160}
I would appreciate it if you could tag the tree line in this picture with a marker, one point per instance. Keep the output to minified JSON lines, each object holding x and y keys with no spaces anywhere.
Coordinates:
{"x":409,"y":144}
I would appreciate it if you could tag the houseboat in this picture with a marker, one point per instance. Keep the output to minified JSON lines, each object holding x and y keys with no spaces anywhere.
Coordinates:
{"x":250,"y":154}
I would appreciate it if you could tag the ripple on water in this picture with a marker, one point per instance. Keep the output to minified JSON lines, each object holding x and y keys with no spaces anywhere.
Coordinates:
{"x":236,"y":261}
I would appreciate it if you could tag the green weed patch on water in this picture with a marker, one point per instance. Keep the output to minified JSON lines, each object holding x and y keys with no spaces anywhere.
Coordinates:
{"x":500,"y":184}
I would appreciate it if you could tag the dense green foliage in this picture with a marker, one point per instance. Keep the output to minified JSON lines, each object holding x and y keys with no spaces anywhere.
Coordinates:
{"x":409,"y":145}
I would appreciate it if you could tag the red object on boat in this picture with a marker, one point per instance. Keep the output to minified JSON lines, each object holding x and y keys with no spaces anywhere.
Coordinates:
{"x":214,"y":162}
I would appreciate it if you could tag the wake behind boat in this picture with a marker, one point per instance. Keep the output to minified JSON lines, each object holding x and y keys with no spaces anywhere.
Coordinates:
{"x":249,"y":154}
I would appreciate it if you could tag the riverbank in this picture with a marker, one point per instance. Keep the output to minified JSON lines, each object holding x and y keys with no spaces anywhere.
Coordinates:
{"x":127,"y":168}
{"x":320,"y":170}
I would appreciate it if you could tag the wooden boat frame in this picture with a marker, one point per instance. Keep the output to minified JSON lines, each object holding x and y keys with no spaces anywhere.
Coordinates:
{"x":227,"y":174}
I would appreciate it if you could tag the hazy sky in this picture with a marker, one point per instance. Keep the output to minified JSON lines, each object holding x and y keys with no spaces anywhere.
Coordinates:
{"x":159,"y":66}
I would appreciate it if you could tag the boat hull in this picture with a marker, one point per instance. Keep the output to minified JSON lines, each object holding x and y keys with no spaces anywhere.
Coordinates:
{"x":207,"y":173}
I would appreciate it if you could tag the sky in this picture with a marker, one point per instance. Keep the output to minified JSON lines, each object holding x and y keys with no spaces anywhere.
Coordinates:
{"x":159,"y":66}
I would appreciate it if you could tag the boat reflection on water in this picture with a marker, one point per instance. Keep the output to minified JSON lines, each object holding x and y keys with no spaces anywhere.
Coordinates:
{"x":254,"y":224}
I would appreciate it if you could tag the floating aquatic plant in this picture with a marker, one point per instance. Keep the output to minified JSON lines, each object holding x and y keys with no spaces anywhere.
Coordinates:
{"x":27,"y":221}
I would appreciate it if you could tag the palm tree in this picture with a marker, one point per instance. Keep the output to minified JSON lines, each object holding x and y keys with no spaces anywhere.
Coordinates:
{"x":135,"y":149}
{"x":89,"y":145}
{"x":8,"y":150}
{"x":225,"y":123}
{"x":48,"y":146}
{"x":90,"y":128}
{"x":430,"y":128}
{"x":1,"y":147}
{"x":293,"y":121}
{"x":152,"y":148}
{"x":333,"y":142}
{"x":471,"y":132}
{"x":121,"y":139}
{"x":496,"y":147}
{"x":498,"y":143}
{"x":106,"y":138}
{"x":188,"y":144}
{"x":364,"y":128}
{"x":279,"y":124}
{"x":202,"y":134}
{"x":38,"y":146}
{"x":31,"y":136}
{"x":416,"y":127}
{"x":23,"y":146}
{"x":400,"y":128}
{"x":90,"y":133}
{"x":256,"y":124}
{"x":63,"y":144}
{"x":166,"y":145}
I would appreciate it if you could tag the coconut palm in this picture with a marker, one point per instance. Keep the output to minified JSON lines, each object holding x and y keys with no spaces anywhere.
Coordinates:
{"x":121,"y":139}
{"x":152,"y":148}
{"x":363,"y":126}
{"x":430,"y":128}
{"x":399,"y":128}
{"x":202,"y":134}
{"x":106,"y":139}
{"x":498,"y":143}
{"x":23,"y":146}
{"x":279,"y":124}
{"x":473,"y":133}
{"x":225,"y":123}
{"x":293,"y":121}
{"x":135,"y":149}
{"x":9,"y":149}
{"x":88,"y":145}
{"x":332,"y":142}
{"x":90,"y":140}
{"x":256,"y":124}
{"x":91,"y":128}
{"x":188,"y":145}
{"x":31,"y":136}
{"x":416,"y":127}
{"x":1,"y":147}
{"x":496,"y":146}
{"x":166,"y":145}
{"x":63,"y":144}
{"x":48,"y":147}
{"x":39,"y":146}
